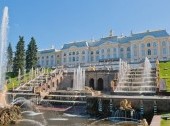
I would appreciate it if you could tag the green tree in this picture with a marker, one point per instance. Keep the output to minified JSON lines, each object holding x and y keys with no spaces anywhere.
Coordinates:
{"x":31,"y":55}
{"x":9,"y":58}
{"x":19,"y":59}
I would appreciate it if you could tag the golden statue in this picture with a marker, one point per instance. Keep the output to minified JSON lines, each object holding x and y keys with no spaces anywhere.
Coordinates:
{"x":125,"y":105}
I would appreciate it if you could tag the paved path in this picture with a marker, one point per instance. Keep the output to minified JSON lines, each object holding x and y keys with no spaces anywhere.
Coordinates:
{"x":156,"y":120}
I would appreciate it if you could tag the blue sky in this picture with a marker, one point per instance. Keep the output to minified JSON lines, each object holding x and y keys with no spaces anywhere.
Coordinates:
{"x":55,"y":22}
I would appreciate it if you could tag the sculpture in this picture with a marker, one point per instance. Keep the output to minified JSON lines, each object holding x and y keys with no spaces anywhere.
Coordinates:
{"x":125,"y":105}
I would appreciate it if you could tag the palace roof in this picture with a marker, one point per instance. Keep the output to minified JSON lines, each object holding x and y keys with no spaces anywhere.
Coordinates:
{"x":116,"y":39}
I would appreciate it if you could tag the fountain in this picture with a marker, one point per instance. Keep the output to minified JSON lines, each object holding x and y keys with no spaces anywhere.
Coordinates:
{"x":79,"y":79}
{"x":125,"y":114}
{"x":136,"y":80}
{"x":8,"y":113}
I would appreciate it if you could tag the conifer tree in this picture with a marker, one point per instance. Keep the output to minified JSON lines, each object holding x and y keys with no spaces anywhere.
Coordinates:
{"x":31,"y":55}
{"x":9,"y":58}
{"x":19,"y":59}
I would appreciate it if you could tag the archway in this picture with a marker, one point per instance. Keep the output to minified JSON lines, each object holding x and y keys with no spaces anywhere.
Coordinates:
{"x":100,"y":84}
{"x":57,"y":85}
{"x":72,"y":83}
{"x":91,"y":83}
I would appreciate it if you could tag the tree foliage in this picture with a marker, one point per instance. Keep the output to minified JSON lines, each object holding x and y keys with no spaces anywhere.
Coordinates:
{"x":19,"y":59}
{"x":9,"y":58}
{"x":31,"y":55}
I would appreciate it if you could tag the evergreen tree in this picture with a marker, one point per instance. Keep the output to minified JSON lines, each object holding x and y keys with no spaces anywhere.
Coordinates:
{"x":19,"y":59}
{"x":31,"y":54}
{"x":9,"y":58}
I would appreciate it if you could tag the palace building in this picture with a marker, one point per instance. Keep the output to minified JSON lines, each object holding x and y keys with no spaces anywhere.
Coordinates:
{"x":49,"y":58}
{"x":133,"y":49}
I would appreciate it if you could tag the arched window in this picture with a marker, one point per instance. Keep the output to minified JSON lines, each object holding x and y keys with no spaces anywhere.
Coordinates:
{"x":114,"y":49}
{"x":128,"y":49}
{"x":149,"y":52}
{"x":97,"y":51}
{"x":163,"y":43}
{"x":73,"y":53}
{"x":102,"y":50}
{"x":91,"y":52}
{"x":77,"y":53}
{"x":91,"y":83}
{"x":100,"y":84}
{"x":148,"y":45}
{"x":108,"y":50}
{"x":154,"y":44}
{"x":83,"y":52}
{"x":121,"y":49}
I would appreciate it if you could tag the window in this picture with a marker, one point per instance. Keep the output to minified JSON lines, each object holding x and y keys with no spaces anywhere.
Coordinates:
{"x":58,"y":56}
{"x":148,"y":45}
{"x":164,"y":51}
{"x":83,"y":52}
{"x":83,"y":58}
{"x":163,"y":43}
{"x":128,"y":49}
{"x":47,"y":62}
{"x":43,"y":57}
{"x":102,"y":56}
{"x":51,"y":62}
{"x":47,"y":57}
{"x":77,"y":53}
{"x":92,"y":58}
{"x":64,"y":54}
{"x":143,"y":52}
{"x":73,"y":53}
{"x":114,"y":49}
{"x":97,"y":58}
{"x":69,"y":59}
{"x":97,"y":52}
{"x":91,"y":52}
{"x":102,"y":50}
{"x":154,"y":44}
{"x":155,"y":51}
{"x":149,"y":52}
{"x":108,"y":56}
{"x":128,"y":55}
{"x":73,"y":59}
{"x":52,"y":56}
{"x":121,"y":55}
{"x":69,"y":53}
{"x":108,"y":50}
{"x":64,"y":60}
{"x":121,"y":49}
{"x":77,"y":58}
{"x":114,"y":55}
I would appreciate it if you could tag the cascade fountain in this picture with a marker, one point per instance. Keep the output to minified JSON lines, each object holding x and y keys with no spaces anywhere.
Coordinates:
{"x":140,"y":80}
{"x":79,"y":79}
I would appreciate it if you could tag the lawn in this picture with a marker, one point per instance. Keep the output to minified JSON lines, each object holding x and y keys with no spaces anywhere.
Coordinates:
{"x":13,"y":80}
{"x":165,"y":122}
{"x":164,"y":72}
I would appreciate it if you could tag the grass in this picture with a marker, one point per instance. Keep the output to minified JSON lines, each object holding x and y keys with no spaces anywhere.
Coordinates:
{"x":165,"y":122}
{"x":13,"y":80}
{"x":164,"y":72}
